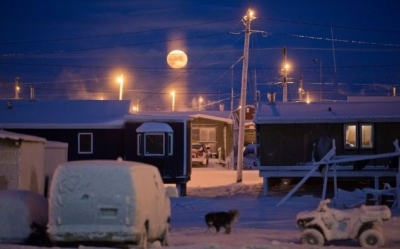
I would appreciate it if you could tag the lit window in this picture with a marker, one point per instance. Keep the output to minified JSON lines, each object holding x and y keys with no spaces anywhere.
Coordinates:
{"x":351,"y":135}
{"x":85,"y":143}
{"x":154,"y":144}
{"x":366,"y":136}
{"x":358,"y":136}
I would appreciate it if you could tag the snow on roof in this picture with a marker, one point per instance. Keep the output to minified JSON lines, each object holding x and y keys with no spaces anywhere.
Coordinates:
{"x":63,"y":113}
{"x":163,"y":116}
{"x":155,"y":117}
{"x":212,"y":117}
{"x":333,"y":112}
{"x":18,"y":136}
{"x":372,"y":98}
{"x":154,"y":127}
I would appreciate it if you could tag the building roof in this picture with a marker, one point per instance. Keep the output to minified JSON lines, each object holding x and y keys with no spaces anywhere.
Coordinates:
{"x":63,"y":113}
{"x":20,"y":137}
{"x":154,"y":127}
{"x":333,"y":112}
{"x":223,"y":116}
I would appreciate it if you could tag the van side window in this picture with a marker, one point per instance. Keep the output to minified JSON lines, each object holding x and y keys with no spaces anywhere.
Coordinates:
{"x":154,"y":144}
{"x":85,"y":143}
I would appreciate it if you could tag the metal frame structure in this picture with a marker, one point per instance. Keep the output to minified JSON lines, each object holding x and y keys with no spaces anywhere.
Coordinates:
{"x":333,"y":170}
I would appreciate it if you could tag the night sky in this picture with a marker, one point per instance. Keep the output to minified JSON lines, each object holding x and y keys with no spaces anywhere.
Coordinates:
{"x":77,"y":49}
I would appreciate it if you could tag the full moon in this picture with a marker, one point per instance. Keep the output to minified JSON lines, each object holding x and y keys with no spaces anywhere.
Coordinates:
{"x":177,"y":59}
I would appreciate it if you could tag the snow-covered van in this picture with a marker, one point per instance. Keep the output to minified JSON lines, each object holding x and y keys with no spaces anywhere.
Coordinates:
{"x":98,"y":201}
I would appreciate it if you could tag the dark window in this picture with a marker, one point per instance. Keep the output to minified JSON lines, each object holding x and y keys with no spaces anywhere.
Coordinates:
{"x":154,"y":144}
{"x":85,"y":143}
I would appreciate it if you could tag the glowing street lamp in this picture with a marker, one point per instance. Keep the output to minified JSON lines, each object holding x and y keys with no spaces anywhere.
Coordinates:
{"x":173,"y":100}
{"x":200,"y":100}
{"x":120,"y":80}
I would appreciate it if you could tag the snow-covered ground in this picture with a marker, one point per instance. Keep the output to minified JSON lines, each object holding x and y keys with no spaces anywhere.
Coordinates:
{"x":261,"y":225}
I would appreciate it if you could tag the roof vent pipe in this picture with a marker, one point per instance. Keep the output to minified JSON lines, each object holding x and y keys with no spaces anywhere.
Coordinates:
{"x":329,"y":109}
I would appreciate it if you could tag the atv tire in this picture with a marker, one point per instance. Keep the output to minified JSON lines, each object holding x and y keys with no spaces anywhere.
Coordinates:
{"x":312,"y":237}
{"x":372,"y":238}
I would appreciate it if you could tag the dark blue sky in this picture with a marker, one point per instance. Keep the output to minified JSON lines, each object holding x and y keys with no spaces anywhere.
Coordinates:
{"x":76,"y":49}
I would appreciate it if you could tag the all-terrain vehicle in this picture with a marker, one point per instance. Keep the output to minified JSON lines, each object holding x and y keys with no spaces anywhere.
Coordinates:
{"x":326,"y":224}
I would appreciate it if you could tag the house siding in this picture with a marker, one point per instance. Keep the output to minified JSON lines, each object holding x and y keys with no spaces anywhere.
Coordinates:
{"x":170,"y":167}
{"x":107,"y":143}
{"x":223,"y":134}
{"x":292,"y":144}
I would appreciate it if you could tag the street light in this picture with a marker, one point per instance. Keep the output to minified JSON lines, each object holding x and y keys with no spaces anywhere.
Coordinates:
{"x":285,"y":69}
{"x":173,"y":100}
{"x":120,"y":80}
{"x":200,"y":100}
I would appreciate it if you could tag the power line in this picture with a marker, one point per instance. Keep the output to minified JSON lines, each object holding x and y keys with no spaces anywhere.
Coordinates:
{"x":113,"y":34}
{"x":19,"y":54}
{"x":333,"y":26}
{"x":339,"y":40}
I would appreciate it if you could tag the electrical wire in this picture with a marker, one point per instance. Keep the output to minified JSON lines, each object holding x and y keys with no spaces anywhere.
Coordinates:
{"x":114,"y":34}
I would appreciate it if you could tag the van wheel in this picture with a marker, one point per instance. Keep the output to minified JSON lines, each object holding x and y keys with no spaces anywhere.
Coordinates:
{"x":165,"y":237}
{"x":143,"y":240}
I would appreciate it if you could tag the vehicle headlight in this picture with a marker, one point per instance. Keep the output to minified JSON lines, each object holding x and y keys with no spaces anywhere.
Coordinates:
{"x":304,"y":222}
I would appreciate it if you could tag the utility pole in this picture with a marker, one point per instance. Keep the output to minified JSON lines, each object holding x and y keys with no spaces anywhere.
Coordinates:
{"x":285,"y":69}
{"x":301,"y":88}
{"x":320,"y":80}
{"x":246,"y":19}
{"x":16,"y":87}
{"x":232,"y":91}
{"x":320,"y":76}
{"x":255,"y":88}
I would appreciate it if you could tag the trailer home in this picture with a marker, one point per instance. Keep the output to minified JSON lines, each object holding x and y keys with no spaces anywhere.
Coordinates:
{"x":288,"y":135}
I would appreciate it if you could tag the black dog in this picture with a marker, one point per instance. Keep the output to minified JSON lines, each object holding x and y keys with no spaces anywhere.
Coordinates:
{"x":222,"y":219}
